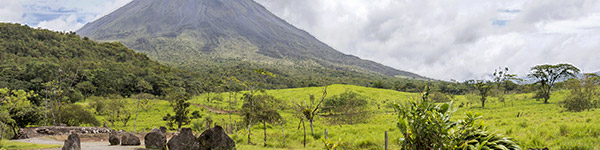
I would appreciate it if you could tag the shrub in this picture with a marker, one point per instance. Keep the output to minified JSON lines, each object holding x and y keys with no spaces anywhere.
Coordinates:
{"x":426,"y":125}
{"x":583,"y":93}
{"x":75,"y":115}
{"x":346,"y":108}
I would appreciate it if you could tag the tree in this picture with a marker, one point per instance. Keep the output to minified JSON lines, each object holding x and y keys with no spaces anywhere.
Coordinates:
{"x":483,"y":88}
{"x":262,"y":108}
{"x":178,"y":99}
{"x":310,"y":111}
{"x":20,"y":110}
{"x":548,"y":75}
{"x":142,"y":86}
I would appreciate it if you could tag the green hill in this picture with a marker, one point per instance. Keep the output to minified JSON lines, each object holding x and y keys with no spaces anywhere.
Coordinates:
{"x":31,"y":58}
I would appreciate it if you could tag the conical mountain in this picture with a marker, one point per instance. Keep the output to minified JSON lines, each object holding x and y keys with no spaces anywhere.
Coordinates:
{"x":202,"y":33}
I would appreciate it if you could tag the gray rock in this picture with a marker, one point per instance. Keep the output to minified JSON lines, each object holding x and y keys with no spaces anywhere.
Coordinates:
{"x":163,"y":129}
{"x":113,"y":138}
{"x":130,"y":139}
{"x":185,"y":140}
{"x":215,"y":139}
{"x":72,"y":143}
{"x":155,"y":140}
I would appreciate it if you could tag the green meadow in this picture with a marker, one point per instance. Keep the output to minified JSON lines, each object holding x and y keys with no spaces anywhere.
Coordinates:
{"x":538,"y":125}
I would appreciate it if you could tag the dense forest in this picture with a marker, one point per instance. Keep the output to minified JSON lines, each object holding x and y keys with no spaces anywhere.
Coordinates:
{"x":43,"y":61}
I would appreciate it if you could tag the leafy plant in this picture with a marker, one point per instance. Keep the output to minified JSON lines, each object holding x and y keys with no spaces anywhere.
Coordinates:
{"x":427,"y":125}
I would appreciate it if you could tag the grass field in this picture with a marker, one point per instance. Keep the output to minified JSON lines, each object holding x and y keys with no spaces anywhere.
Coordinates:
{"x":8,"y":145}
{"x":541,"y":125}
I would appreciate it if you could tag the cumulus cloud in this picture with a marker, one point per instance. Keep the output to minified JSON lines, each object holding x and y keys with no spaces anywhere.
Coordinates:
{"x":62,"y":23}
{"x":453,"y":39}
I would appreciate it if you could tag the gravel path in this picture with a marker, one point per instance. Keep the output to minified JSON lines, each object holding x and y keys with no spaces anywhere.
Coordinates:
{"x":84,"y":145}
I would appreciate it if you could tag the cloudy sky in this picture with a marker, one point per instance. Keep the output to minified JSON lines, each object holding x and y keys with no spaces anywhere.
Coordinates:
{"x":448,"y":39}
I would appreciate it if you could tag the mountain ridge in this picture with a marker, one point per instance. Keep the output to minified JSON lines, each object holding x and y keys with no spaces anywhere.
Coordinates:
{"x":177,"y":31}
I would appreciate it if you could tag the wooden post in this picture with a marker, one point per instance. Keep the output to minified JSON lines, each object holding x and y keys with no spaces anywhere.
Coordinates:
{"x":304,"y":127}
{"x":325,"y":134}
{"x":235,"y":129}
{"x":386,"y":140}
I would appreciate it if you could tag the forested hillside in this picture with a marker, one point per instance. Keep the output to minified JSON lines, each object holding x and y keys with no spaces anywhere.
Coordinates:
{"x":43,"y":60}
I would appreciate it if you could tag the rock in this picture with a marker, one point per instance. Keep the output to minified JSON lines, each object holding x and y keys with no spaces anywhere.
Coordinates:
{"x":129,"y":139}
{"x":163,"y":129}
{"x":113,"y":138}
{"x":72,"y":143}
{"x":215,"y":138}
{"x":156,"y":140}
{"x":185,"y":140}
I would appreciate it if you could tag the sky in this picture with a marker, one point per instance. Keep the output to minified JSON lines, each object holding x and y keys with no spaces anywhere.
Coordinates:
{"x":447,"y":39}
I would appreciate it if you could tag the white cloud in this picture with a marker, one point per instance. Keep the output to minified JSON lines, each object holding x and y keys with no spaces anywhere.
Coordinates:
{"x":62,"y":23}
{"x":11,"y":11}
{"x":453,"y":39}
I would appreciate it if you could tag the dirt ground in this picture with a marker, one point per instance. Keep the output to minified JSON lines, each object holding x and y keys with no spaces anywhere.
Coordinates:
{"x":88,"y":142}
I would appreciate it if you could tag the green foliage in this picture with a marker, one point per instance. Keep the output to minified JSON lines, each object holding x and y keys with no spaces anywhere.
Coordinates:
{"x":483,"y":88}
{"x":82,"y":68}
{"x":332,"y":145}
{"x":16,"y":109}
{"x":178,"y":99}
{"x":548,"y":75}
{"x":427,"y":125}
{"x":583,"y":93}
{"x":347,"y":108}
{"x":76,"y":115}
{"x":261,"y":108}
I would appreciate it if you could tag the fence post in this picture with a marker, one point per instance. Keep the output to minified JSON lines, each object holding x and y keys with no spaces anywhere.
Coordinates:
{"x":386,"y":140}
{"x":325,"y":134}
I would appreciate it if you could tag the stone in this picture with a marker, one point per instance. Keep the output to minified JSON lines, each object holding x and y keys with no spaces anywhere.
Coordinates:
{"x":113,"y":138}
{"x":163,"y":129}
{"x":215,"y":138}
{"x":155,"y":140}
{"x":130,"y":139}
{"x":185,"y":140}
{"x":72,"y":142}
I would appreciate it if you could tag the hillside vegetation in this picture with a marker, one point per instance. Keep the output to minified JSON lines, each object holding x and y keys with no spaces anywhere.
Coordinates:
{"x":43,"y":61}
{"x":538,"y":125}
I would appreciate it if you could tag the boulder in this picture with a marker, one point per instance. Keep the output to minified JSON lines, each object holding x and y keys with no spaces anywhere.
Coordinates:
{"x":155,"y":140}
{"x":185,"y":140}
{"x":129,"y":139}
{"x":113,"y":138}
{"x":72,"y":142}
{"x":215,"y":138}
{"x":163,"y":129}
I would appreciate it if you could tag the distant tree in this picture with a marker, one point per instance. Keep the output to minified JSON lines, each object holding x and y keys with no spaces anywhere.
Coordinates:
{"x":253,"y":88}
{"x":142,"y":86}
{"x":548,"y":75}
{"x":483,"y":88}
{"x":262,"y":108}
{"x":178,"y":99}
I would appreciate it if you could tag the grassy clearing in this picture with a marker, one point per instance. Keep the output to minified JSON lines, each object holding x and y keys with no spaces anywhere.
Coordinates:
{"x":541,"y":125}
{"x":8,"y":145}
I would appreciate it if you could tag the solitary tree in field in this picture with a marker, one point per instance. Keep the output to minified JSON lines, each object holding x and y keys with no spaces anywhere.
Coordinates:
{"x":261,"y":108}
{"x":179,"y":101}
{"x":548,"y":75}
{"x":484,"y":89}
{"x":311,"y":111}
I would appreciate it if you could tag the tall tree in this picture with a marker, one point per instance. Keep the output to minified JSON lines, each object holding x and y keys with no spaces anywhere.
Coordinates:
{"x":261,"y":108}
{"x":548,"y":75}
{"x":483,"y":88}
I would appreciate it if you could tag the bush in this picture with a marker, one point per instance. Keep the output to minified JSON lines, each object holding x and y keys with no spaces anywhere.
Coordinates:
{"x":583,"y":93}
{"x":426,"y":125}
{"x":75,"y":115}
{"x":346,"y":108}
